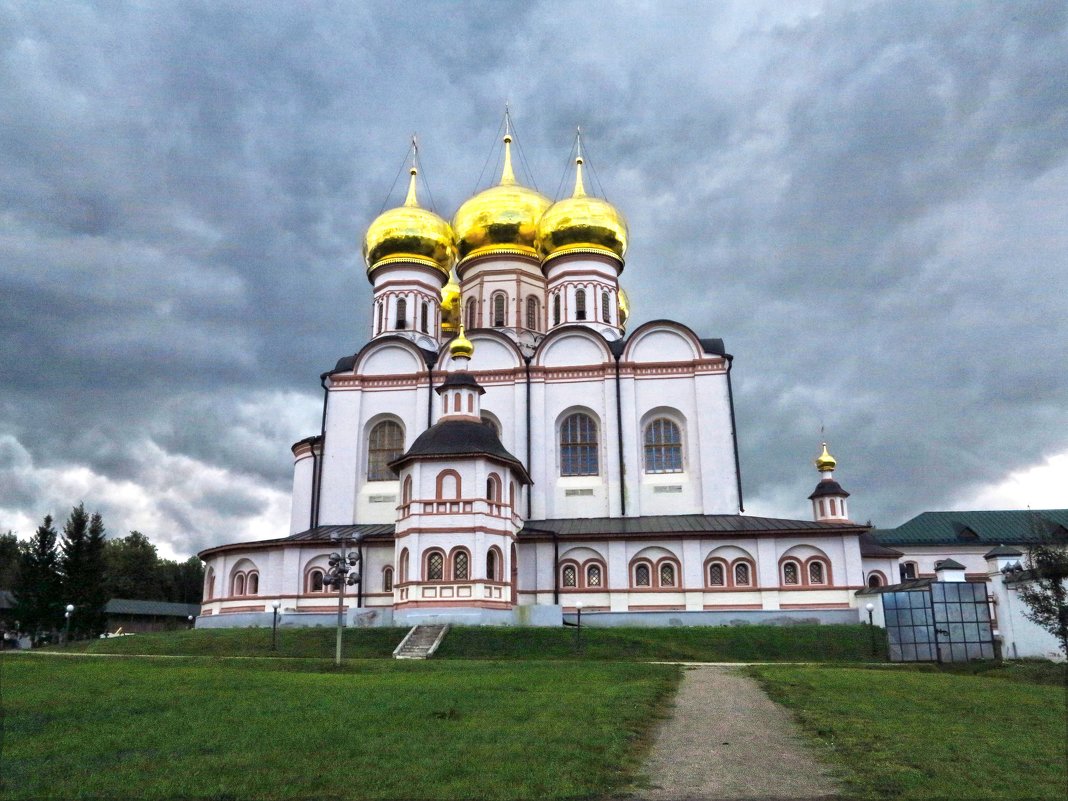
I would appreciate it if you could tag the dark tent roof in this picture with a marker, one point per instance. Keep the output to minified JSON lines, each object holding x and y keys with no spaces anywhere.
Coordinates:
{"x":948,"y":564}
{"x":460,"y":380}
{"x":828,"y":487}
{"x":1003,"y":550}
{"x":450,"y":438}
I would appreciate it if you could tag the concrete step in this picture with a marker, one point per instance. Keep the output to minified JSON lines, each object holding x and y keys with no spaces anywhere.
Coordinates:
{"x":421,"y":642}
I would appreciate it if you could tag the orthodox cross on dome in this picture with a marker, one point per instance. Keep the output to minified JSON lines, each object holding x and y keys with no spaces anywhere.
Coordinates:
{"x":507,"y":175}
{"x":580,"y":190}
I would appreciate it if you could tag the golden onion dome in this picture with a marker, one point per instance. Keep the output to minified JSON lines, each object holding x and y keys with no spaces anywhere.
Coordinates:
{"x":409,"y":234}
{"x":461,"y":347}
{"x":623,"y":302}
{"x":450,"y":305}
{"x":501,"y":219}
{"x":582,"y":224}
{"x":825,"y":463}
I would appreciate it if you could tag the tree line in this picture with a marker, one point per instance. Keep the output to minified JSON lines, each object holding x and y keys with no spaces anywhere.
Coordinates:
{"x":81,"y":566}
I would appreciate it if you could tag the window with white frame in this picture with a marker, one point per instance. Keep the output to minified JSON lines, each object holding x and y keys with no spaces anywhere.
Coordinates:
{"x":385,"y":444}
{"x":579,"y":446}
{"x":663,"y":446}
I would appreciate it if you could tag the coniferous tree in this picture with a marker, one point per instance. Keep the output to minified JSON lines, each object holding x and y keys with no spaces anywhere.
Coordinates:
{"x":10,"y":550}
{"x":38,"y":601}
{"x":82,"y":568}
{"x":133,"y":569}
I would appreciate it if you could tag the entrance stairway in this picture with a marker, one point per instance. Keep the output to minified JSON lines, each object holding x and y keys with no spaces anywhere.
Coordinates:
{"x":421,"y":642}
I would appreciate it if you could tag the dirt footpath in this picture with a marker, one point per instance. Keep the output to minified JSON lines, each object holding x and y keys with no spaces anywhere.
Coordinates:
{"x":727,"y":740}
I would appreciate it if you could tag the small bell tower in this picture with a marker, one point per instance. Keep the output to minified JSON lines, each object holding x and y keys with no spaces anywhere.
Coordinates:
{"x":828,"y":499}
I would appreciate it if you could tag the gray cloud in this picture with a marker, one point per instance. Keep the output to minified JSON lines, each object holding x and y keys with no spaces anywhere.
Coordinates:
{"x":864,"y":200}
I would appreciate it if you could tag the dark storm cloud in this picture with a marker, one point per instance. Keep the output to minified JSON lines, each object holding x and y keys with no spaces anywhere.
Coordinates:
{"x":865,"y":200}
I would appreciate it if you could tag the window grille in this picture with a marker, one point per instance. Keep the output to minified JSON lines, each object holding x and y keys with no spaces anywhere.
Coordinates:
{"x":435,"y":567}
{"x":663,"y":447}
{"x":570,"y":576}
{"x":498,"y":311}
{"x":716,"y":577}
{"x":580,"y":304}
{"x":606,"y":313}
{"x":385,"y":444}
{"x":790,"y":574}
{"x":387,"y":580}
{"x":641,"y":576}
{"x":667,"y":575}
{"x":593,"y":576}
{"x":741,"y":574}
{"x":460,"y":566}
{"x":532,"y":313}
{"x":578,"y":446}
{"x":815,"y":573}
{"x":402,"y":313}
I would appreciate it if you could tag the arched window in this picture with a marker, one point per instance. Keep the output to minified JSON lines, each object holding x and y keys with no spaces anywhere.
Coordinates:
{"x":578,"y":446}
{"x":556,"y":309}
{"x":593,"y":575}
{"x":424,"y":318}
{"x":875,"y":579}
{"x":663,"y":447}
{"x":791,"y":573}
{"x":237,"y":585}
{"x":461,"y":566}
{"x":252,"y":584}
{"x":406,"y":491}
{"x":580,"y":304}
{"x":717,"y":575}
{"x":642,"y":578}
{"x":402,"y":314}
{"x":209,"y":584}
{"x":435,"y":566}
{"x":471,"y":312}
{"x":667,"y":574}
{"x":448,"y":485}
{"x":381,"y":316}
{"x":493,"y":488}
{"x":816,"y":573}
{"x":492,"y":565}
{"x":569,"y":576}
{"x":834,"y":508}
{"x":387,"y":579}
{"x":606,"y":313}
{"x":532,"y":313}
{"x":498,"y":310}
{"x":385,"y":444}
{"x":742,"y":574}
{"x":403,"y":565}
{"x":315,"y":581}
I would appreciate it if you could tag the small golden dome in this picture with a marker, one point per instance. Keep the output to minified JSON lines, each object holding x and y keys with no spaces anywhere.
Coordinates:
{"x":825,"y":463}
{"x":461,"y":347}
{"x":623,"y":301}
{"x":409,"y":233}
{"x":501,"y":219}
{"x":450,"y":305}
{"x":582,"y":224}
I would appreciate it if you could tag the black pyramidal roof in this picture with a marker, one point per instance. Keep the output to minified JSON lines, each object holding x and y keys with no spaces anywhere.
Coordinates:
{"x":451,"y":438}
{"x":828,"y":487}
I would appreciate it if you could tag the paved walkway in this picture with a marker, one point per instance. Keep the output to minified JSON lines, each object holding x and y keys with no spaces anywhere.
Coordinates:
{"x":727,"y":740}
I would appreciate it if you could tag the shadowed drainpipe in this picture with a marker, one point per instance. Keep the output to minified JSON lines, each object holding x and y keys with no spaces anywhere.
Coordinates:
{"x":619,"y":431}
{"x":734,"y":432}
{"x":317,"y":465}
{"x":530,"y":471}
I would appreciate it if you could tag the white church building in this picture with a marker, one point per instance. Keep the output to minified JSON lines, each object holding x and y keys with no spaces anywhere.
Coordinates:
{"x":504,"y":450}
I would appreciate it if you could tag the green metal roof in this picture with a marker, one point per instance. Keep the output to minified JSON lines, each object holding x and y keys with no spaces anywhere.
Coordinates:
{"x":125,"y":606}
{"x":1010,"y":527}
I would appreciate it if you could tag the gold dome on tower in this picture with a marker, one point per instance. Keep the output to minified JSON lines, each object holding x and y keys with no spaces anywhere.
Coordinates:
{"x":501,"y":219}
{"x":409,"y":234}
{"x":582,"y":224}
{"x":825,"y":463}
{"x":450,"y":305}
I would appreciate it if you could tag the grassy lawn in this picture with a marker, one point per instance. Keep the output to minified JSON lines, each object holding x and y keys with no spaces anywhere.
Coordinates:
{"x":966,"y":733}
{"x":714,"y":644}
{"x":296,"y":729}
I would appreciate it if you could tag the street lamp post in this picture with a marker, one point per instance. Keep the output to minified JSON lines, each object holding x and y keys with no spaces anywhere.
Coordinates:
{"x":343,"y":571}
{"x":66,"y":628}
{"x":578,"y":627}
{"x":274,"y":626}
{"x":871,"y":626}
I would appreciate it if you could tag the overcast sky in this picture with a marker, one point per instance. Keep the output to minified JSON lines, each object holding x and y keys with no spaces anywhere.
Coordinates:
{"x":867,"y":201}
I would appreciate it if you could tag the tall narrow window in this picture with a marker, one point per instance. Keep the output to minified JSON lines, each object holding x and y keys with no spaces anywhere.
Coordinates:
{"x":402,"y":314}
{"x":815,"y":573}
{"x":253,"y":586}
{"x":435,"y":566}
{"x":606,"y":313}
{"x":790,"y":573}
{"x":461,"y":564}
{"x":569,"y":576}
{"x":663,"y":447}
{"x":381,"y":316}
{"x":641,"y":575}
{"x":403,"y":566}
{"x":532,"y":313}
{"x":580,"y":304}
{"x":387,"y":580}
{"x":556,"y":309}
{"x":470,"y":312}
{"x":667,"y":575}
{"x":593,"y":576}
{"x":491,"y":565}
{"x":578,"y":446}
{"x":716,"y":577}
{"x":498,"y":310}
{"x":385,"y":444}
{"x":425,"y":318}
{"x":741,"y":574}
{"x":315,"y":581}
